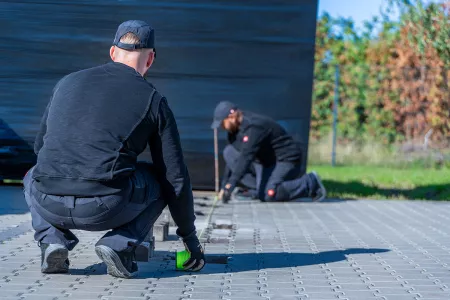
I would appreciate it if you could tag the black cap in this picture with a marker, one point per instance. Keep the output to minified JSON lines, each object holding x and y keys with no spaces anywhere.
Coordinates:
{"x":142,"y":30}
{"x":223,"y":109}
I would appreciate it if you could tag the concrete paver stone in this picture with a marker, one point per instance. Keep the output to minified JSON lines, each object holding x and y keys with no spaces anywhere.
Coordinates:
{"x":294,"y":250}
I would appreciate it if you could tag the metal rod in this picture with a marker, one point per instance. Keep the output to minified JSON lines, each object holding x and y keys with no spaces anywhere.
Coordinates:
{"x":216,"y":198}
{"x":335,"y":115}
{"x":216,"y":160}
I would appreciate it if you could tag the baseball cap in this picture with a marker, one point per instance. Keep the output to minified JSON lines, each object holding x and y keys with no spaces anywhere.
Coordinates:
{"x":141,"y":29}
{"x":223,"y":109}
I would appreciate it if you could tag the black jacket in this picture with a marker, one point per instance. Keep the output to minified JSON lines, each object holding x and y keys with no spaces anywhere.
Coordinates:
{"x":96,"y":124}
{"x":260,"y":139}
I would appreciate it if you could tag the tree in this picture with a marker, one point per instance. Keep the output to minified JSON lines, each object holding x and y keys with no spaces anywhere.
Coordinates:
{"x":393,"y":85}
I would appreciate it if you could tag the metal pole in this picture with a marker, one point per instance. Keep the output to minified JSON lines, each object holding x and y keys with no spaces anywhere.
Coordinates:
{"x":335,"y":115}
{"x":216,"y":167}
{"x":216,"y":160}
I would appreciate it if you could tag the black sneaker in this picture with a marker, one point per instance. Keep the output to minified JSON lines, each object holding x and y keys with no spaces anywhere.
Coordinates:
{"x":120,"y":264}
{"x":54,"y":258}
{"x":320,"y":193}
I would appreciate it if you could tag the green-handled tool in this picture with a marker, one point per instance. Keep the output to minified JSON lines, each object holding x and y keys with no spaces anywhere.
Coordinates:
{"x":182,"y":256}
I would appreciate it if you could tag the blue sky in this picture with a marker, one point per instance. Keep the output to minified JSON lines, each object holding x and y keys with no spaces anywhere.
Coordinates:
{"x":358,"y":10}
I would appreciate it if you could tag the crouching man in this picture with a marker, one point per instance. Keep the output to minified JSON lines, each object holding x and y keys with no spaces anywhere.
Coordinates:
{"x":87,"y":176}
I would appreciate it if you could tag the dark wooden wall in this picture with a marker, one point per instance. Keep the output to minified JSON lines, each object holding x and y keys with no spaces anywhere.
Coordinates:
{"x":258,"y":54}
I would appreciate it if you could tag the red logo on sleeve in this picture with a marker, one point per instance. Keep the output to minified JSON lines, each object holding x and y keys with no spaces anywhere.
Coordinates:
{"x":245,"y":139}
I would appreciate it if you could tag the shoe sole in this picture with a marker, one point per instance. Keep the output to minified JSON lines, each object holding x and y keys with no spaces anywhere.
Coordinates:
{"x":113,"y":262}
{"x":323,"y":191}
{"x":55,"y":260}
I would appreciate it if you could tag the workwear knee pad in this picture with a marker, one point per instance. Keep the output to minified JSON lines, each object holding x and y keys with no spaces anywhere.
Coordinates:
{"x":274,"y":194}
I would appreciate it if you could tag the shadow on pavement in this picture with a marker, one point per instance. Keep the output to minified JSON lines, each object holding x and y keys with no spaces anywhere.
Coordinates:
{"x":302,"y":200}
{"x":96,"y":269}
{"x":328,"y":200}
{"x":243,"y":262}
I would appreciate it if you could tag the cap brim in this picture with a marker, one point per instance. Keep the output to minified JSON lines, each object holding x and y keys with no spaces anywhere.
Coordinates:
{"x":216,"y":124}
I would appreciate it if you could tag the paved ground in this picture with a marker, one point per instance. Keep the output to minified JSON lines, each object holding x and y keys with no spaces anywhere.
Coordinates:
{"x":334,"y":250}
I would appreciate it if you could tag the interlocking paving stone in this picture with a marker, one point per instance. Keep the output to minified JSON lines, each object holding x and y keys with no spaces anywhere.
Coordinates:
{"x":298,"y":250}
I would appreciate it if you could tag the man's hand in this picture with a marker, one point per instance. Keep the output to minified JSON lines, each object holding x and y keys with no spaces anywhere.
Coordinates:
{"x":226,"y":194}
{"x":196,"y":262}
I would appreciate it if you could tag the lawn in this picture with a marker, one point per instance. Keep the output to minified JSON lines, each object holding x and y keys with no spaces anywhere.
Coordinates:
{"x":360,"y":182}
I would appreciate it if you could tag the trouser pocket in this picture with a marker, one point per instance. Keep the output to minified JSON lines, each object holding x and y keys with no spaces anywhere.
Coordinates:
{"x":145,"y":186}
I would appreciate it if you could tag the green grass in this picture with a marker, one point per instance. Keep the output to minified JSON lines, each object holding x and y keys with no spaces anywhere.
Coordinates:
{"x":12,"y":181}
{"x":353,"y":153}
{"x":367,"y":182}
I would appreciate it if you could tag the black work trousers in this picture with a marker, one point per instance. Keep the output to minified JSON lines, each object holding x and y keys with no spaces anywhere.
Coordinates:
{"x":279,"y":182}
{"x":129,"y":214}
